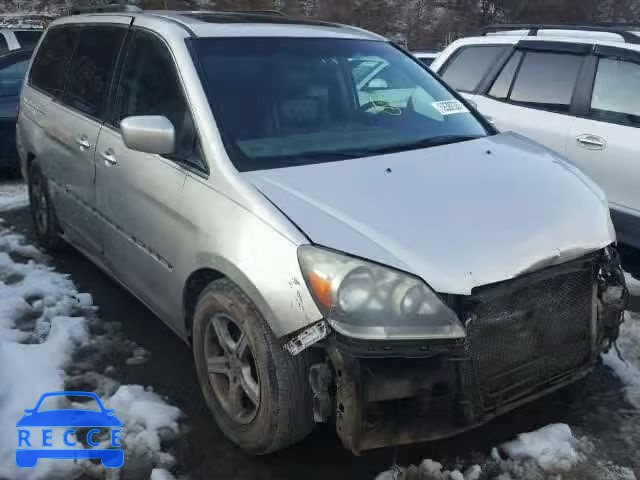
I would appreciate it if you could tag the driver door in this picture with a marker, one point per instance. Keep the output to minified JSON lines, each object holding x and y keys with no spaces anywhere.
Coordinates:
{"x":139,"y":193}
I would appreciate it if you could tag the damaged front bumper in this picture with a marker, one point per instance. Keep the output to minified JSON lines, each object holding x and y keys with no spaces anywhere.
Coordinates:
{"x":525,"y":338}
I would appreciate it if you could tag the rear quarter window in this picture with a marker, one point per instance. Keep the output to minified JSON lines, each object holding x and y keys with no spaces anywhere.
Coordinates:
{"x":51,"y":64}
{"x":469,"y":66}
{"x":615,"y":93}
{"x":4,"y":46}
{"x":546,"y":80}
{"x":28,"y":38}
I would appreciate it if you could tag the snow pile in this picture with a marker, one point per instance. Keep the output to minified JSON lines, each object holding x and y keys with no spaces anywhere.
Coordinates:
{"x":627,"y":368}
{"x":551,"y":453}
{"x":429,"y":470}
{"x":161,"y":474}
{"x":13,"y":195}
{"x":38,"y":332}
{"x":139,"y":356}
{"x":147,"y":420}
{"x":553,"y":448}
{"x":633,"y":284}
{"x":52,"y":340}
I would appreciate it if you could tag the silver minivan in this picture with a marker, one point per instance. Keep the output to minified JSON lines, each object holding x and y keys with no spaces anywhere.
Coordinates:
{"x":370,"y":253}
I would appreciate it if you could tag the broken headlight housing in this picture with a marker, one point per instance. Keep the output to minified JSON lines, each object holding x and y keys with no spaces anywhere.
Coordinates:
{"x":364,"y":300}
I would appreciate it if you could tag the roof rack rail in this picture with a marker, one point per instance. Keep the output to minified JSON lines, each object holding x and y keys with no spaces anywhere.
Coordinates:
{"x":259,"y":12}
{"x":625,"y":25}
{"x":214,"y":11}
{"x":622,"y":29}
{"x":109,"y":8}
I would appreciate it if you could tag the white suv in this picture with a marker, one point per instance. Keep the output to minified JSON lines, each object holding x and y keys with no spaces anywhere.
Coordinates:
{"x":574,"y":89}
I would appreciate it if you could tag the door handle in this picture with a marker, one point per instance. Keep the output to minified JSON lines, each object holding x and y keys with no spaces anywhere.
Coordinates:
{"x":592,"y":142}
{"x":109,"y":156}
{"x":83,"y":142}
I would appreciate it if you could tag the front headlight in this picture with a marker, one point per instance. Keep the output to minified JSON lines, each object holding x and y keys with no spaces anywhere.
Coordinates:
{"x":368,"y":301}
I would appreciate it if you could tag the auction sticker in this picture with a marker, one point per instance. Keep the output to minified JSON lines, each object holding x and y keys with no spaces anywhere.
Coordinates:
{"x":449,"y":107}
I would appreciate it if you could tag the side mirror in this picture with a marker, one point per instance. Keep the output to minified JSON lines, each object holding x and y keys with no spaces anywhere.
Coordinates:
{"x":149,"y":134}
{"x":377,"y":84}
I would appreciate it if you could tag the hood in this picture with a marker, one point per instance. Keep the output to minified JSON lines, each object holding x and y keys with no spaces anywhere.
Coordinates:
{"x":458,"y":216}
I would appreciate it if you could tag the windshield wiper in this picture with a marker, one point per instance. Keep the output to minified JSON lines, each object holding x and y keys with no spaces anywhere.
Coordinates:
{"x":318,"y":157}
{"x":324,"y":156}
{"x":424,"y":143}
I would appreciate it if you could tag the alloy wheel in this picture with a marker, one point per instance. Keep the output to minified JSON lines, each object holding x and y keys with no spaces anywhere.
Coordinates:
{"x":231,"y":368}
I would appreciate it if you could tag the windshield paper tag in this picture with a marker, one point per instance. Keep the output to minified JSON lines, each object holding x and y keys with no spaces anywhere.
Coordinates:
{"x":449,"y":107}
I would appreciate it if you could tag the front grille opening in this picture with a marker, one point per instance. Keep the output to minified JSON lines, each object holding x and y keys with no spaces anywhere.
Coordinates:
{"x":526,"y":333}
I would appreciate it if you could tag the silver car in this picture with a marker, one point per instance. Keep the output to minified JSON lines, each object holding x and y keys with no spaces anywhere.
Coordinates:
{"x":373,"y":254}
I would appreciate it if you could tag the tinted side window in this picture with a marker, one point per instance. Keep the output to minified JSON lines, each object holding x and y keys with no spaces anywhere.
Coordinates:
{"x":92,"y":66}
{"x":28,"y":38}
{"x":502,"y":84}
{"x":3,"y":44}
{"x":470,"y":65}
{"x":150,"y":86}
{"x":615,"y":93}
{"x":11,"y":78}
{"x":547,"y":80}
{"x":49,"y":69}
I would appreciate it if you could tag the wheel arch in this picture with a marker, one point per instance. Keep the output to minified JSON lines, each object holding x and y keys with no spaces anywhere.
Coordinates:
{"x":199,"y":279}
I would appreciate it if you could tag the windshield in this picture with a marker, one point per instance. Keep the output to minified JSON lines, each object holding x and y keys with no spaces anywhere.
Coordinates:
{"x":282,"y":102}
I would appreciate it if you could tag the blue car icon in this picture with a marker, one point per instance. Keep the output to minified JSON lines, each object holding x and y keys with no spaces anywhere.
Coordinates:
{"x":70,"y":418}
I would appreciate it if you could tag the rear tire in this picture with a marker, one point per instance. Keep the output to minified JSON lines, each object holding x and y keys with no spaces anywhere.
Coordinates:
{"x":43,"y":214}
{"x":279,"y":382}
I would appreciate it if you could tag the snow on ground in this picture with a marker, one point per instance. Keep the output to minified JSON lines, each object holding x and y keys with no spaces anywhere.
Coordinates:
{"x":553,"y":452}
{"x":553,"y":447}
{"x":633,"y":284}
{"x":627,"y":364}
{"x":161,"y":474}
{"x":51,"y":339}
{"x":13,"y":195}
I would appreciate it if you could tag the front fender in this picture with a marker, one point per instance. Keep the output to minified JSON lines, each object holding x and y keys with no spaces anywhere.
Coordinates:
{"x":263,"y":262}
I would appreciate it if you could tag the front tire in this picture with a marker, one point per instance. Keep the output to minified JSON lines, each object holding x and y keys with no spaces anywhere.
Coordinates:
{"x":259,"y":395}
{"x":43,"y":214}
